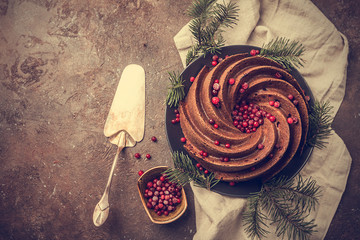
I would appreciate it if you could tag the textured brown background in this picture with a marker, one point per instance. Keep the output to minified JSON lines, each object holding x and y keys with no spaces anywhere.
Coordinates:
{"x":60,"y":62}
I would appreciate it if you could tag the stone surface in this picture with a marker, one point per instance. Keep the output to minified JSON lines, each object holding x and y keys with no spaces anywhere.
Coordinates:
{"x":59,"y":64}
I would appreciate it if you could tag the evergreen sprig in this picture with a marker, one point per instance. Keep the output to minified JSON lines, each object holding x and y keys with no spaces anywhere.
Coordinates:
{"x":208,"y":19}
{"x":319,"y":124}
{"x":287,"y":204}
{"x":185,"y":172}
{"x":176,"y":91}
{"x":287,"y":53}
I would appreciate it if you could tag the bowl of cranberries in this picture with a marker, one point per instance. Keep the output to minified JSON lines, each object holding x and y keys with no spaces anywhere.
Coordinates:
{"x":164,"y":201}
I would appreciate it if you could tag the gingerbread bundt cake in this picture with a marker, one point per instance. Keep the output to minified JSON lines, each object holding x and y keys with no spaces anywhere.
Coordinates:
{"x":245,"y":118}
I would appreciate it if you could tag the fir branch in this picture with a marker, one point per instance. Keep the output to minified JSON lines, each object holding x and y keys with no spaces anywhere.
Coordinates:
{"x":208,"y":19}
{"x":287,"y":204}
{"x":304,"y":195}
{"x":184,"y":172}
{"x":287,"y":53}
{"x":320,"y":124}
{"x":176,"y":91}
{"x":254,"y":219}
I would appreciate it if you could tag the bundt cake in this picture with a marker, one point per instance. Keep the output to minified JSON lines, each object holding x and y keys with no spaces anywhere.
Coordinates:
{"x":244,"y":118}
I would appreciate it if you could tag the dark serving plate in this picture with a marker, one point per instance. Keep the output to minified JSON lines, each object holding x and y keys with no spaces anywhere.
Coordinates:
{"x":174,"y":132}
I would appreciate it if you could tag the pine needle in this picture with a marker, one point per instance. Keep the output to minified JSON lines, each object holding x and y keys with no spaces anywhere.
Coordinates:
{"x":287,"y":53}
{"x":288,"y":204}
{"x":176,"y":91}
{"x":185,"y":172}
{"x":320,"y":124}
{"x":208,"y":19}
{"x":254,"y":219}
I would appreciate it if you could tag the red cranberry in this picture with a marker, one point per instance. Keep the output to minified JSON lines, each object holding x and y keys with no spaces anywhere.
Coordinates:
{"x":231,"y":81}
{"x":227,"y":145}
{"x":295,"y":102}
{"x":260,"y":146}
{"x":183,"y":140}
{"x":173,"y":121}
{"x":211,"y":121}
{"x":214,"y":92}
{"x":137,"y":155}
{"x":241,"y":90}
{"x":271,"y":103}
{"x":232,"y":184}
{"x":198,"y":165}
{"x":307,"y":98}
{"x":216,"y":126}
{"x":272,"y":118}
{"x":215,"y":100}
{"x":214,"y":63}
{"x":177,"y":119}
{"x":253,"y":52}
{"x":226,"y":159}
{"x":154,"y":139}
{"x":277,"y":104}
{"x":216,"y":142}
{"x":290,"y":97}
{"x":141,"y":172}
{"x":192,"y":79}
{"x":295,"y":120}
{"x":245,"y":86}
{"x":215,"y":57}
{"x":290,"y":120}
{"x":216,"y":81}
{"x":148,"y":156}
{"x":278,"y":75}
{"x":205,"y":154}
{"x":216,"y":86}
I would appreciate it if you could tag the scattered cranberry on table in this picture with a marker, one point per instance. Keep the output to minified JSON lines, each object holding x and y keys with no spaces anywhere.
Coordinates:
{"x":141,"y":172}
{"x":137,"y":155}
{"x":154,"y":139}
{"x":148,"y":156}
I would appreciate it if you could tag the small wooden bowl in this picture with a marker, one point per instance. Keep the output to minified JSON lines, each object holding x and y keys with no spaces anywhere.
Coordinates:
{"x":149,"y":175}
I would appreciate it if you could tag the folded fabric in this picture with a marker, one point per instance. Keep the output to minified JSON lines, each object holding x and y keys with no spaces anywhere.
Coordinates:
{"x":220,"y":217}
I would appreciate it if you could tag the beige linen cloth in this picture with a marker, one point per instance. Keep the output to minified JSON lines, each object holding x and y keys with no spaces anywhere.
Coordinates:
{"x":220,"y":217}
